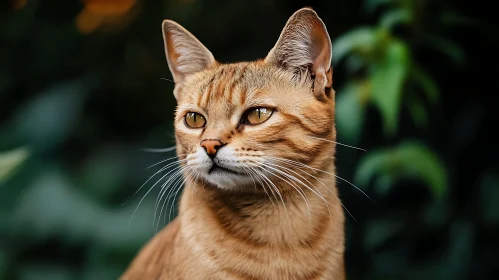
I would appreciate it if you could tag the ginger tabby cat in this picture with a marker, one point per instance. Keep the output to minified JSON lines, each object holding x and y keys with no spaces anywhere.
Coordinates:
{"x":257,"y":144}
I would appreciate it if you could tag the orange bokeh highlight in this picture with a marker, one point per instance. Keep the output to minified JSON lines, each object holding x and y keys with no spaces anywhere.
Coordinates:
{"x":99,"y":13}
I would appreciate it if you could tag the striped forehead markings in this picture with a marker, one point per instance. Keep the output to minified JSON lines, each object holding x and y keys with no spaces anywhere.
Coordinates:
{"x":222,"y":84}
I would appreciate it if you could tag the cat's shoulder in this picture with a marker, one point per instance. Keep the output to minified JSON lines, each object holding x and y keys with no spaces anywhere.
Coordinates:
{"x":156,"y":256}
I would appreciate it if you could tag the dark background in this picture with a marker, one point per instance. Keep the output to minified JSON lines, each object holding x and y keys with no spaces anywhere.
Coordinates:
{"x":81,"y":94}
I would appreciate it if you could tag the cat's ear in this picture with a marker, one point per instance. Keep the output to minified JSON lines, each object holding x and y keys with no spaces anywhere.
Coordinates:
{"x":304,"y":44}
{"x":184,"y":53}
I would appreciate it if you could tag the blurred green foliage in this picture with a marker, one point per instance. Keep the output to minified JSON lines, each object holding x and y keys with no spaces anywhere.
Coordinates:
{"x":80,"y":94}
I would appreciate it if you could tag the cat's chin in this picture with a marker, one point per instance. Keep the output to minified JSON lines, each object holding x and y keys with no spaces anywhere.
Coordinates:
{"x":229,"y":181}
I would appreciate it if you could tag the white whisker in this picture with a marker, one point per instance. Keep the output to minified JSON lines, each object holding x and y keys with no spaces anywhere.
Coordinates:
{"x":327,"y":140}
{"x":152,"y":176}
{"x":163,"y":160}
{"x":326,"y":189}
{"x":294,"y":186}
{"x":164,"y":188}
{"x":167,"y":80}
{"x":162,"y":169}
{"x":158,"y":150}
{"x":316,"y":169}
{"x":257,"y":175}
{"x":291,"y":177}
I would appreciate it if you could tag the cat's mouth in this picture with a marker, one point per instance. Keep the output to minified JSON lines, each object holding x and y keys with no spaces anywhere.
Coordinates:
{"x":215,"y":168}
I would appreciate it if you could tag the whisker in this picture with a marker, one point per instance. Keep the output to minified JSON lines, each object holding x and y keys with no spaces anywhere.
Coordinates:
{"x":182,"y":183}
{"x":291,"y":177}
{"x":167,"y":80}
{"x":247,"y":169}
{"x":163,"y":160}
{"x":159,"y":150}
{"x":152,"y":176}
{"x":321,"y":193}
{"x":316,"y":169}
{"x":346,"y":209}
{"x":173,"y":178}
{"x":177,"y":185}
{"x":169,"y":190}
{"x":294,"y":186}
{"x":259,"y":175}
{"x":271,"y":184}
{"x":327,"y":140}
{"x":150,"y":189}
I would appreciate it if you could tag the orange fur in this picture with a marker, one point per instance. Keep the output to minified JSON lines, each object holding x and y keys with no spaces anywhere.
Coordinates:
{"x":286,"y":225}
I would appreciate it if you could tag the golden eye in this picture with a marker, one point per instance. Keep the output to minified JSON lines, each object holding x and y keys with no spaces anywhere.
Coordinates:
{"x":194,"y":120}
{"x":257,"y":115}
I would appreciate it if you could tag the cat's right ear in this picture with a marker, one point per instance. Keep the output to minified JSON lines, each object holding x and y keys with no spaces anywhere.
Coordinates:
{"x":184,"y":53}
{"x":304,"y":45}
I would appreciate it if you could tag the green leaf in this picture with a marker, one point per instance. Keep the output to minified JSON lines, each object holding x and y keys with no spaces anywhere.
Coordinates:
{"x":438,"y":212}
{"x":408,"y":160}
{"x":395,"y":17}
{"x":418,"y":112}
{"x":420,"y":162}
{"x":51,"y":206}
{"x":47,"y":120}
{"x":362,"y":40}
{"x":380,"y":230}
{"x":36,"y":271}
{"x":373,"y":163}
{"x":426,"y":82}
{"x":9,"y":161}
{"x":104,"y":173}
{"x":387,"y":77}
{"x":355,"y":63}
{"x":350,"y":110}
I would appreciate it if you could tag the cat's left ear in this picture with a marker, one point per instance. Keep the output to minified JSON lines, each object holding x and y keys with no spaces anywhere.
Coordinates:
{"x":304,"y":44}
{"x":184,"y":53}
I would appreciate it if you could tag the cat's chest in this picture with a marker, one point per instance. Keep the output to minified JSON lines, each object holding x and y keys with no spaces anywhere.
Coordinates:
{"x":215,"y":252}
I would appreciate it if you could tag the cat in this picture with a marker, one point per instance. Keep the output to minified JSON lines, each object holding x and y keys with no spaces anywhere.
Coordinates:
{"x":256,"y":141}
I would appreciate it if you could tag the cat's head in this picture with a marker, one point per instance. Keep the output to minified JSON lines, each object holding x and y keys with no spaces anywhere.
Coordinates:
{"x":251,"y":124}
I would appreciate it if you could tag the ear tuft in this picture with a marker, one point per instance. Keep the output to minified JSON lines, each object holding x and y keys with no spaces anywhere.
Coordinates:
{"x":304,"y":45}
{"x":184,"y":53}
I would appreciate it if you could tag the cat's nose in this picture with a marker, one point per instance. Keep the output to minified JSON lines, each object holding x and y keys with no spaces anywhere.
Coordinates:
{"x":211,"y":146}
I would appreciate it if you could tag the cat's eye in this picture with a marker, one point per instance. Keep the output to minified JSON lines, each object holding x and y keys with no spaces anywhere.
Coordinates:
{"x":257,"y":115}
{"x":194,"y":120}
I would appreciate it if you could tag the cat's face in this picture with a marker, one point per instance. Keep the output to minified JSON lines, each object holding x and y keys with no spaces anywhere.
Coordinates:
{"x":244,"y":125}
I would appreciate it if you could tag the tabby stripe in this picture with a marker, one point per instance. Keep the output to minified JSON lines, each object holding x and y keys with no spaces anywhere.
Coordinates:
{"x":313,"y":241}
{"x":315,"y":151}
{"x":286,"y":141}
{"x":203,"y":99}
{"x":242,"y":95}
{"x":235,"y":81}
{"x":317,"y":274}
{"x":307,"y":128}
{"x":239,"y":274}
{"x":220,"y":93}
{"x":209,"y":94}
{"x":210,"y":81}
{"x":215,"y":89}
{"x":241,"y":235}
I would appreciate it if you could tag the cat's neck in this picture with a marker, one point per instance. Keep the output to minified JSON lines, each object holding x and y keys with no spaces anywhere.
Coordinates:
{"x":261,"y":219}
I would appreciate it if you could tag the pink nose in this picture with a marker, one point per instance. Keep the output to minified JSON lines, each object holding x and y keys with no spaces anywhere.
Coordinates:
{"x":211,"y":146}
